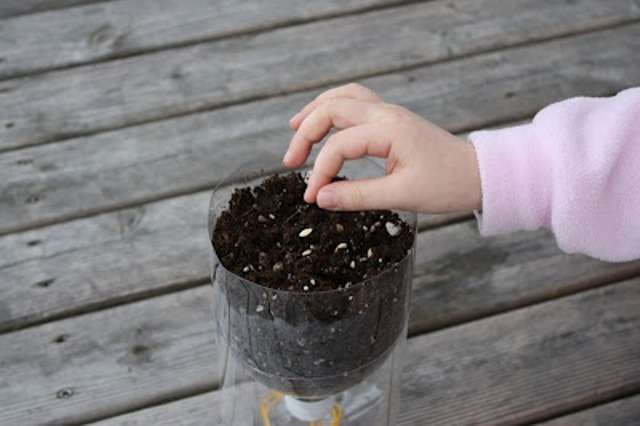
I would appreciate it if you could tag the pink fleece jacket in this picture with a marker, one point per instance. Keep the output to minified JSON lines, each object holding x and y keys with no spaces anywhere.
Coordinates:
{"x":575,"y":170}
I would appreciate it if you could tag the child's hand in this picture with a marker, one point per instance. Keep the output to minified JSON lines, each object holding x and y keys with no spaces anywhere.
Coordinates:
{"x":428,"y":169}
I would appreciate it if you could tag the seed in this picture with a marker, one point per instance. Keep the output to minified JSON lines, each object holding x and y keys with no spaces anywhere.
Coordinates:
{"x":259,"y":308}
{"x":274,"y":297}
{"x":262,"y":219}
{"x":312,"y":281}
{"x":379,"y":260}
{"x":353,"y":264}
{"x":340,"y":246}
{"x":369,"y":253}
{"x":306,"y":176}
{"x":392,"y":228}
{"x":305,"y":232}
{"x":365,"y":229}
{"x":246,"y":269}
{"x":307,"y":252}
{"x":272,"y":216}
{"x":278,"y":266}
{"x":305,"y":288}
{"x":339,"y":228}
{"x":350,"y":298}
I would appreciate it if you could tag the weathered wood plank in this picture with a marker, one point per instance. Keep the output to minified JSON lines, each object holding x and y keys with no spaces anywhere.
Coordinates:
{"x":82,"y":35}
{"x":46,"y":184}
{"x":9,"y":8}
{"x":509,"y":369}
{"x":83,"y":100}
{"x":461,"y":276}
{"x":624,"y":412}
{"x":107,"y":361}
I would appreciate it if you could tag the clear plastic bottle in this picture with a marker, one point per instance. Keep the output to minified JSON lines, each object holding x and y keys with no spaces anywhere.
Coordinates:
{"x":290,"y":358}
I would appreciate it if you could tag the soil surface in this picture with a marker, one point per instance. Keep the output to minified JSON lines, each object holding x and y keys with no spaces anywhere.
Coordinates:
{"x":269,"y":235}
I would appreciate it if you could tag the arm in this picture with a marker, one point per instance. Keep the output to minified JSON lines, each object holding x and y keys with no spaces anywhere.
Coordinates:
{"x":575,"y":170}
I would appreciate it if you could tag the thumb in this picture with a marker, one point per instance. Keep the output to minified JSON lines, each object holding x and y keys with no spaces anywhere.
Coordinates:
{"x":366,"y":194}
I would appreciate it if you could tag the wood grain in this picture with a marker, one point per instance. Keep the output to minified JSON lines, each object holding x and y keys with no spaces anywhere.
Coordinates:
{"x":84,"y":100}
{"x":87,"y":367}
{"x":81,"y":35}
{"x":624,"y":412}
{"x":46,"y":184}
{"x":10,"y":8}
{"x":513,"y":368}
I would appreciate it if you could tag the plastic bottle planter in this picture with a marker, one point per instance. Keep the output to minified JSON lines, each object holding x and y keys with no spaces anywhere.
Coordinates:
{"x":310,"y":347}
{"x":312,"y":344}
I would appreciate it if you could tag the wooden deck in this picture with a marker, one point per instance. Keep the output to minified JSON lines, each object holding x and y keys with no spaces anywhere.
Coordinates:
{"x":117,"y":118}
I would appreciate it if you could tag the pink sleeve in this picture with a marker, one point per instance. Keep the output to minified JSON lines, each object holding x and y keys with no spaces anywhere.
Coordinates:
{"x":575,"y":170}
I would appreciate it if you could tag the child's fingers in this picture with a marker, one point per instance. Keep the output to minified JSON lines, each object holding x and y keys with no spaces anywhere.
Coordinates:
{"x":364,"y":194}
{"x":351,"y":90}
{"x":339,"y":113}
{"x":352,"y":143}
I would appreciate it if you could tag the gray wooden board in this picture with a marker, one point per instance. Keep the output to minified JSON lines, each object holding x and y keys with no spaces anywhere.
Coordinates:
{"x":624,"y":412}
{"x":45,"y":184}
{"x":9,"y":8}
{"x":81,"y":35}
{"x":83,"y":100}
{"x":513,"y":368}
{"x":109,"y":360}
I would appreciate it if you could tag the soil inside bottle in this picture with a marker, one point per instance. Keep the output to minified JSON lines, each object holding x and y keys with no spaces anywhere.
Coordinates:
{"x":331,"y":293}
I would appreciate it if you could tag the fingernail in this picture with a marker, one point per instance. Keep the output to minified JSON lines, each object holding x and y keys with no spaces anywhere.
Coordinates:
{"x":292,"y":119}
{"x":287,"y":157}
{"x":327,"y":199}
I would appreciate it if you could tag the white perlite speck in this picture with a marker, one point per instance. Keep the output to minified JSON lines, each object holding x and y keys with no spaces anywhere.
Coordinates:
{"x":392,"y":229}
{"x":246,"y":269}
{"x":370,"y":253}
{"x":305,"y":288}
{"x":305,"y":232}
{"x":340,"y":246}
{"x":353,"y":264}
{"x":307,"y":252}
{"x":259,"y":308}
{"x":312,"y":281}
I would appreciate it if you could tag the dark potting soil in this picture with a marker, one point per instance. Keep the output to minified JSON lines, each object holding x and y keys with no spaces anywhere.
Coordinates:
{"x":293,"y":334}
{"x":269,"y":235}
